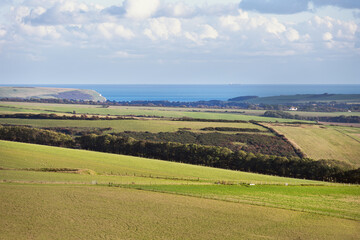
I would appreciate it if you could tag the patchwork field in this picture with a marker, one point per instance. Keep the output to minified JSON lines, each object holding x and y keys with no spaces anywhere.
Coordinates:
{"x":58,"y":193}
{"x":14,"y":107}
{"x":331,"y":142}
{"x":324,"y":142}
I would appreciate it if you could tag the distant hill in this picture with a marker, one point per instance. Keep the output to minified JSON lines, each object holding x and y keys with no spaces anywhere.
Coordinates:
{"x":300,"y":98}
{"x":50,"y":93}
{"x":242,"y":98}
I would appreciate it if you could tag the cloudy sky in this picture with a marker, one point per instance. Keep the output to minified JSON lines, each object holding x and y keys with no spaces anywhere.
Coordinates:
{"x":174,"y":41}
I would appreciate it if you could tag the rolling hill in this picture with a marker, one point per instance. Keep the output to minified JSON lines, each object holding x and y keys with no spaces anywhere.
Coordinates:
{"x":50,"y":93}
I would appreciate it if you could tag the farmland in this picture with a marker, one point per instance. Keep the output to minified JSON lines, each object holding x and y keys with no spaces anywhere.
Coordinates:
{"x":183,"y":197}
{"x":21,"y":155}
{"x":85,"y":194}
{"x":332,"y":142}
{"x":94,"y":212}
{"x":10,"y":107}
{"x":324,"y":142}
{"x":126,"y":125}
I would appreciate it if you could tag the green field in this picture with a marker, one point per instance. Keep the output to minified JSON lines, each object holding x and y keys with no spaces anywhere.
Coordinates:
{"x":21,"y":155}
{"x":324,"y":142}
{"x":341,"y":201}
{"x":31,"y":211}
{"x":137,"y":198}
{"x":12,"y":107}
{"x":125,"y":125}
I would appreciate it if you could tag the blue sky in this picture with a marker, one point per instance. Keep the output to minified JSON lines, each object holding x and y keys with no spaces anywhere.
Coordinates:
{"x":175,"y":42}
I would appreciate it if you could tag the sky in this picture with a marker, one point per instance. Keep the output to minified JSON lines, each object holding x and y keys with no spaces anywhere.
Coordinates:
{"x":179,"y":42}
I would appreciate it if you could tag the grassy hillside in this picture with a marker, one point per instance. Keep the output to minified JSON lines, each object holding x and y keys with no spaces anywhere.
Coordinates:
{"x":21,"y":155}
{"x":50,"y":93}
{"x":138,"y":198}
{"x":324,"y":142}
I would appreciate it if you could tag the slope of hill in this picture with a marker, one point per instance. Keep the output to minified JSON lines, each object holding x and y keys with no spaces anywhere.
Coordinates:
{"x":57,"y":193}
{"x":16,"y":155}
{"x":50,"y":93}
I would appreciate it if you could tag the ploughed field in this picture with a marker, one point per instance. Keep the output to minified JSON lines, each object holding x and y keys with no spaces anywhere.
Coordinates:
{"x":58,"y":193}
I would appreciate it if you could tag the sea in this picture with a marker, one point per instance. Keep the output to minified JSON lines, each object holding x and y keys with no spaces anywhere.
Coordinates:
{"x":192,"y":93}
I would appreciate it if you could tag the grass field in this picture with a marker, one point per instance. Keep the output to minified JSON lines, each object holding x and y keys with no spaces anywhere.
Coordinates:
{"x":21,"y":155}
{"x":126,"y":125}
{"x":161,"y":200}
{"x":353,"y":132}
{"x":95,"y":212}
{"x":341,"y":201}
{"x":324,"y":142}
{"x":12,"y":107}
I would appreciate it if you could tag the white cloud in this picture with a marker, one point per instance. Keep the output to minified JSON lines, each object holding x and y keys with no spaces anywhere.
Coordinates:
{"x":235,"y":23}
{"x":242,"y":22}
{"x":327,"y":28}
{"x":140,"y":9}
{"x":2,"y":31}
{"x":40,"y":31}
{"x":163,"y":28}
{"x":110,"y":30}
{"x":204,"y":32}
{"x":272,"y":26}
{"x":217,"y":28}
{"x":123,"y":55}
{"x":208,"y":32}
{"x":292,"y":35}
{"x":327,"y":36}
{"x":178,"y":9}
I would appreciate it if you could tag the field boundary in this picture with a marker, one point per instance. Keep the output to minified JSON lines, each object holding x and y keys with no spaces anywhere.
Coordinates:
{"x":296,"y":147}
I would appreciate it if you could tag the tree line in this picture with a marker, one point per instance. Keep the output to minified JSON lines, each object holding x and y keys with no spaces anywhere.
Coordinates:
{"x":66,"y":117}
{"x":212,"y":156}
{"x":255,"y":143}
{"x":230,"y":129}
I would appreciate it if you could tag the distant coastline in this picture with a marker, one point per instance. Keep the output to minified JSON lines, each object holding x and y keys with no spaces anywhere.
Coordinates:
{"x":192,"y":93}
{"x":35,"y":92}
